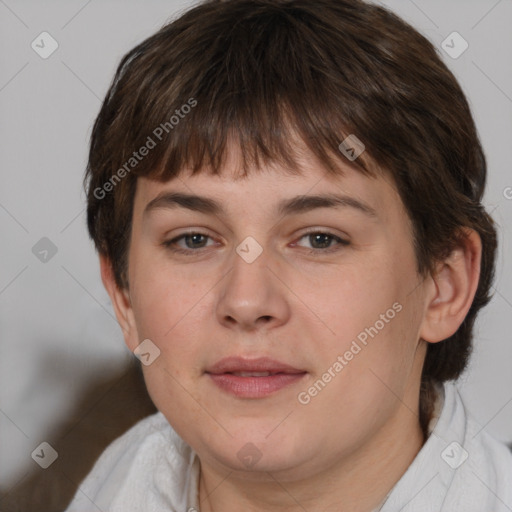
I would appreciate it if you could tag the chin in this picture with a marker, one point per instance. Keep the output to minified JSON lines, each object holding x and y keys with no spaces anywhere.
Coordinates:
{"x":258,"y":453}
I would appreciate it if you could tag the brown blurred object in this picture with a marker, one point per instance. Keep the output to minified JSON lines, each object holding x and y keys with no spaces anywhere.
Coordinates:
{"x":107,"y":409}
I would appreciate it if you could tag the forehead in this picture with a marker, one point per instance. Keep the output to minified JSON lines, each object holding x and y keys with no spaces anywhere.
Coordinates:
{"x":270,"y":187}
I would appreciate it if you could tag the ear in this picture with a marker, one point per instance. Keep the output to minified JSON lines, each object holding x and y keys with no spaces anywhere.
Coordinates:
{"x":454,"y":286}
{"x":121,"y":303}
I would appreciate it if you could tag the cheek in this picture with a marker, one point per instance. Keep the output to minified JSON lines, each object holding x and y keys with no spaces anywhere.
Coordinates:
{"x":347,"y":300}
{"x":369,"y":317}
{"x":167,"y":312}
{"x":165,"y":298}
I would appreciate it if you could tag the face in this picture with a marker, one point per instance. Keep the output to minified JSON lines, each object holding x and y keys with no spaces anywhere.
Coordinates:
{"x":287,"y":329}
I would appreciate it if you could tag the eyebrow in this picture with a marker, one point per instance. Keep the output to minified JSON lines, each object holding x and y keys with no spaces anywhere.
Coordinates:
{"x":294,"y":205}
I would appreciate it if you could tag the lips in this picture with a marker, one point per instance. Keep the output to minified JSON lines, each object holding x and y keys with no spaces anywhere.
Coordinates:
{"x":253,"y":378}
{"x":262,"y":365}
{"x":252,"y":374}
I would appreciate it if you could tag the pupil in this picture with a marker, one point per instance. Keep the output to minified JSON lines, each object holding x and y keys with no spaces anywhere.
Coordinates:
{"x":321,"y":236}
{"x":194,"y":239}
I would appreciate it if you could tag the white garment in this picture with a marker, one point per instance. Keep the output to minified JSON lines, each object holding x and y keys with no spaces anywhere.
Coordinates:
{"x":151,"y":469}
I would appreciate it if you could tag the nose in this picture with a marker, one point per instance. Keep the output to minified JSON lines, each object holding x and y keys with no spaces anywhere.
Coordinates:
{"x":252,"y":296}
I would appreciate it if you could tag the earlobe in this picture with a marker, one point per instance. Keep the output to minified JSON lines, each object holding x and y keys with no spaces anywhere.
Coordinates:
{"x":454,"y":286}
{"x":120,"y":302}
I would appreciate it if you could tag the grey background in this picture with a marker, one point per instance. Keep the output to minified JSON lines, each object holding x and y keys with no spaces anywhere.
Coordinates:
{"x":57,"y":330}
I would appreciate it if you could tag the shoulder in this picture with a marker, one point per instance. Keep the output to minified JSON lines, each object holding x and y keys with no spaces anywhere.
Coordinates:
{"x":486,"y":450}
{"x":491,"y":457}
{"x":486,"y":473}
{"x":124,"y":449}
{"x":130,"y":461}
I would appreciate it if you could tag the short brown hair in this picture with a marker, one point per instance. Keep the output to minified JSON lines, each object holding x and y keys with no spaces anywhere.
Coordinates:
{"x":253,"y":72}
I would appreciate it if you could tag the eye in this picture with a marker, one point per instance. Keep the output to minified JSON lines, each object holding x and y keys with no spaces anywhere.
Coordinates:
{"x":321,"y":241}
{"x":193,"y":240}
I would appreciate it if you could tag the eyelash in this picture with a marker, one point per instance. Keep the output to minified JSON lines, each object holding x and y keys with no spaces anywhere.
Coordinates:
{"x":169,"y":244}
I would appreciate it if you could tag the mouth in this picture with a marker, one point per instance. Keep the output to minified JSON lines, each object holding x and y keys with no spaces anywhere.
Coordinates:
{"x":253,"y":378}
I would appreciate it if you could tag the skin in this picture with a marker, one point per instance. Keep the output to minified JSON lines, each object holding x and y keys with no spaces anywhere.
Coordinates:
{"x":346,"y":448}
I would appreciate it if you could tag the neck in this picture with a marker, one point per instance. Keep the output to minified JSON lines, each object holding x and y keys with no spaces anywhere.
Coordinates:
{"x":358,"y":483}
